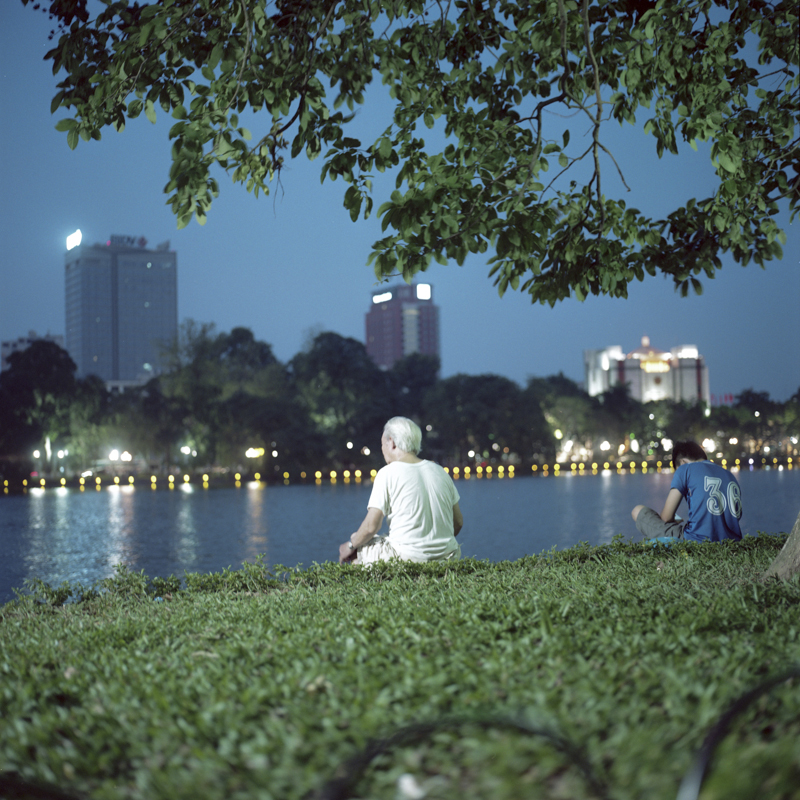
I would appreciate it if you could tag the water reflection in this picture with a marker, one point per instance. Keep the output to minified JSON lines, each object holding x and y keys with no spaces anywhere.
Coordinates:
{"x":120,"y":523}
{"x":186,"y":549}
{"x":255,"y":532}
{"x":64,"y":534}
{"x":68,"y":540}
{"x":607,"y":516}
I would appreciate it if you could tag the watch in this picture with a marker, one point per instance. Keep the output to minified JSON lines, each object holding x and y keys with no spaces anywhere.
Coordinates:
{"x":351,"y":545}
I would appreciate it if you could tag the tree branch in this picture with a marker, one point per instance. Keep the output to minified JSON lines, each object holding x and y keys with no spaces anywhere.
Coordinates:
{"x":599,"y":114}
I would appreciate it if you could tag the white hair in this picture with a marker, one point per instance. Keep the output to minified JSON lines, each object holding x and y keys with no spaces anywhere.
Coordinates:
{"x":405,"y":433}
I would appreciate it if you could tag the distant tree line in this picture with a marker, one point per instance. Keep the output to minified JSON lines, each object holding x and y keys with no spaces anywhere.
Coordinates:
{"x":224,"y":402}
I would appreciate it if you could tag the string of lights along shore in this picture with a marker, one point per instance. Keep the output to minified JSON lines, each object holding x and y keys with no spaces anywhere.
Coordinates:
{"x":187,"y":482}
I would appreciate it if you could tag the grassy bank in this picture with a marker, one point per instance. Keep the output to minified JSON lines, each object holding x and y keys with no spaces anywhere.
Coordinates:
{"x":242,"y":684}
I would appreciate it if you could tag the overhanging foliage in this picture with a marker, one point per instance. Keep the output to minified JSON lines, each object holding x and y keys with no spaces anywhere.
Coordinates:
{"x":500,"y":77}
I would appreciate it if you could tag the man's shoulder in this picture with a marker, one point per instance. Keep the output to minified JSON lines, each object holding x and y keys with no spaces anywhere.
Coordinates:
{"x":416,"y":465}
{"x":709,"y":468}
{"x":433,"y":467}
{"x":680,"y":476}
{"x":402,"y":469}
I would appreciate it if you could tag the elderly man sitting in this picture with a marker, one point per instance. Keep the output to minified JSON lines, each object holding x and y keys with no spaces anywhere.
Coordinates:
{"x":418,"y":497}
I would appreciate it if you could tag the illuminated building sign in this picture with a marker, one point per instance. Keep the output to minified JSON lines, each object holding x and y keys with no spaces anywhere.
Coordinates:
{"x":127,"y":241}
{"x":74,"y":239}
{"x":655,"y":366}
{"x":381,"y":298}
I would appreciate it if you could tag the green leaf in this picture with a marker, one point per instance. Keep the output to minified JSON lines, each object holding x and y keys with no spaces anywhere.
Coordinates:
{"x":55,"y":103}
{"x":72,"y":139}
{"x":216,"y":56}
{"x":726,"y":162}
{"x":150,"y":111}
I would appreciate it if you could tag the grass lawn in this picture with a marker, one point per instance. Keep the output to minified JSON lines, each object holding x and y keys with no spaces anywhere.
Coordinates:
{"x":243,"y":684}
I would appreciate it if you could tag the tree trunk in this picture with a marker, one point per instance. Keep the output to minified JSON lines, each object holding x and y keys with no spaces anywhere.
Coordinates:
{"x":787,"y":562}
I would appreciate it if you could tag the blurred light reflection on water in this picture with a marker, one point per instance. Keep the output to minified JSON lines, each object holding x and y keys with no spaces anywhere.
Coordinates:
{"x":65,"y":534}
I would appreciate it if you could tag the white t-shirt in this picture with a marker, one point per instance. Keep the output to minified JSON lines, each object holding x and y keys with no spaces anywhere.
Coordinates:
{"x":417,"y":499}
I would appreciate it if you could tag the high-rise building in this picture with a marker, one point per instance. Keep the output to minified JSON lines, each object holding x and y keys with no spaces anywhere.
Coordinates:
{"x":23,"y":343}
{"x":402,"y":320}
{"x":121,"y":308}
{"x":652,"y":374}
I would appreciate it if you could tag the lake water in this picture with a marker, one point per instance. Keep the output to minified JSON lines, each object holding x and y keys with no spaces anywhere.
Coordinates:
{"x":66,"y":534}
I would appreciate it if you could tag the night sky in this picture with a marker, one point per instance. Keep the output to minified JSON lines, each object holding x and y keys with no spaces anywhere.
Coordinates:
{"x":292,"y":264}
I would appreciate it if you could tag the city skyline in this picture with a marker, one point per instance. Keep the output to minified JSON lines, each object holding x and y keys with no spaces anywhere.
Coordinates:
{"x":292,"y":264}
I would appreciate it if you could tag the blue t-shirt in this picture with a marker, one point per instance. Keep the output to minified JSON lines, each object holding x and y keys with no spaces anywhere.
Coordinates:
{"x":714,"y":499}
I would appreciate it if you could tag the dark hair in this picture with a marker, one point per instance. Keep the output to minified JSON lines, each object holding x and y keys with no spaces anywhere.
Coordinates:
{"x":690,"y":450}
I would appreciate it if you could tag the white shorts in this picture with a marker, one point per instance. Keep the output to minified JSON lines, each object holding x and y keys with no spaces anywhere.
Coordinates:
{"x":376,"y":549}
{"x":379,"y":549}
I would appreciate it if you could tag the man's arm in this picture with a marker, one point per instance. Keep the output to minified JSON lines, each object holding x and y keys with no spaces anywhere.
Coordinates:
{"x":671,"y":506}
{"x":368,"y":528}
{"x":458,"y":520}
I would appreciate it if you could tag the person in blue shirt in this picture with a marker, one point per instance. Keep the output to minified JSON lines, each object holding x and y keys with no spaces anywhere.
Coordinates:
{"x":711,"y":493}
